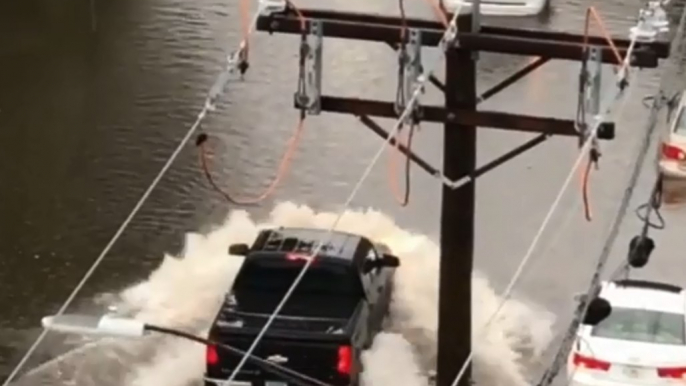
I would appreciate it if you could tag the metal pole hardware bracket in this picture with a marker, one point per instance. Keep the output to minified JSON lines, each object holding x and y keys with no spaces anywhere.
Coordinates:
{"x":410,"y":61}
{"x":591,"y":86}
{"x":308,"y":95}
{"x":594,"y":82}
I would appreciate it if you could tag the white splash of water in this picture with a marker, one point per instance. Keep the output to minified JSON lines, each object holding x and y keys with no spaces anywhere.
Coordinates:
{"x":186,"y":291}
{"x":391,"y":361}
{"x":177,"y":363}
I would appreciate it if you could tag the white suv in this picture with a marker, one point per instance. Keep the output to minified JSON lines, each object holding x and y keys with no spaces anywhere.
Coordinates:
{"x":642,"y":342}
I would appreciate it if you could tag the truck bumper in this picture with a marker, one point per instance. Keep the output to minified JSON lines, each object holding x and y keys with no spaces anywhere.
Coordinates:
{"x":257,"y":382}
{"x":222,"y":382}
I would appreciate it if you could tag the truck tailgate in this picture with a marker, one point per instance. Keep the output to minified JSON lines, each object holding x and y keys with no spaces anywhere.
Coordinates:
{"x":316,"y":358}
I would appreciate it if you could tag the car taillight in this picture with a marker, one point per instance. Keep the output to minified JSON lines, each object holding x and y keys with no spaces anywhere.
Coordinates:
{"x":671,"y":372}
{"x":211,"y":356}
{"x":673,"y":152}
{"x":590,"y":363}
{"x":345,"y":356}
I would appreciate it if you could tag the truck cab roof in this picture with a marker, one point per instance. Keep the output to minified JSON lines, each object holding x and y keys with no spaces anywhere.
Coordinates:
{"x":339,"y":245}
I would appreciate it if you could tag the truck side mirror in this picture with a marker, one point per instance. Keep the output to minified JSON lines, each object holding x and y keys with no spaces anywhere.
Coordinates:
{"x":598,"y":310}
{"x":388,"y":260}
{"x":239,"y":249}
{"x":369,"y":265}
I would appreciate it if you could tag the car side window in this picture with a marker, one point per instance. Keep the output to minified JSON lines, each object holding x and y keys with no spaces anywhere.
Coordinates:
{"x":673,"y":107}
{"x":680,"y":122}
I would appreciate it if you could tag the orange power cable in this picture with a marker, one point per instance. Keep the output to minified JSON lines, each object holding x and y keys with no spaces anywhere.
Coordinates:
{"x":440,"y":12}
{"x":293,"y":142}
{"x":245,"y":30}
{"x":281,"y":172}
{"x":402,"y":198}
{"x":592,"y":13}
{"x":592,"y":160}
{"x":245,"y":25}
{"x":403,"y":22}
{"x":301,"y":17}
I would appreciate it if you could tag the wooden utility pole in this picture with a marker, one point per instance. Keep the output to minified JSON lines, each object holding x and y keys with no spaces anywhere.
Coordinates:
{"x":461,"y":119}
{"x":457,"y":218}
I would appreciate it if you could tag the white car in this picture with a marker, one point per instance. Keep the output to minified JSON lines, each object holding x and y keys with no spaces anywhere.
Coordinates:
{"x":502,"y":7}
{"x":641,"y":343}
{"x":672,"y":158}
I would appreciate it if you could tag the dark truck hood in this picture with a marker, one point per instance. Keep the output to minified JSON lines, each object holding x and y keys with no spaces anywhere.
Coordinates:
{"x":250,"y":309}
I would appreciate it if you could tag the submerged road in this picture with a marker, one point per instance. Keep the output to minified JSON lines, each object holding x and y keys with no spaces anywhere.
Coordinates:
{"x":88,"y":116}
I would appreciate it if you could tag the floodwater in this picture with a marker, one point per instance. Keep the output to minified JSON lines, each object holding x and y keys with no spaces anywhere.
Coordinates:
{"x":94,"y":100}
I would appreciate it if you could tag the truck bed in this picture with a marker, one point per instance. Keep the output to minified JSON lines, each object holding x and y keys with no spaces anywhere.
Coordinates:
{"x":308,"y":356}
{"x":311,"y":315}
{"x":307,"y":336}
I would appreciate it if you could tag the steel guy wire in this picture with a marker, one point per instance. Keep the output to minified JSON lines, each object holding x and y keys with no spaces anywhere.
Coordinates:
{"x":216,"y":91}
{"x":609,"y":103}
{"x":445,"y":43}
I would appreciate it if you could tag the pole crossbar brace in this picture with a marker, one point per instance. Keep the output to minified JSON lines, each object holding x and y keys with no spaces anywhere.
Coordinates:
{"x":531,"y":43}
{"x":521,"y":149}
{"x":510,"y":80}
{"x":376,"y":128}
{"x":502,"y":85}
{"x":432,"y":171}
{"x":484,"y":119}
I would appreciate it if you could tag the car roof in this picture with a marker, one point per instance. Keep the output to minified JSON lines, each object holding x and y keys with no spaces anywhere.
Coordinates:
{"x":642,"y":294}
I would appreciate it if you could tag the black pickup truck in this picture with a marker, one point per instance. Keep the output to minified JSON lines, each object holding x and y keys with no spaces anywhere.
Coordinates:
{"x":331,"y":317}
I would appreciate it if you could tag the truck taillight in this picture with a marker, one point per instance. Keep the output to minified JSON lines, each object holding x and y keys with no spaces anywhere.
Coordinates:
{"x":590,"y":363}
{"x":211,"y":355}
{"x":345,"y":357}
{"x":673,"y":152}
{"x":298,"y":257}
{"x":671,"y":372}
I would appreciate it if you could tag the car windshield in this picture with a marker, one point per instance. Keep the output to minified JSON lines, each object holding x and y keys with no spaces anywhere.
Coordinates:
{"x":278,"y":274}
{"x":642,"y":326}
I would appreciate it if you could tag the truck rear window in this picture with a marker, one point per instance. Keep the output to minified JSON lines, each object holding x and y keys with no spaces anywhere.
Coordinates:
{"x":642,"y":326}
{"x":278,"y":274}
